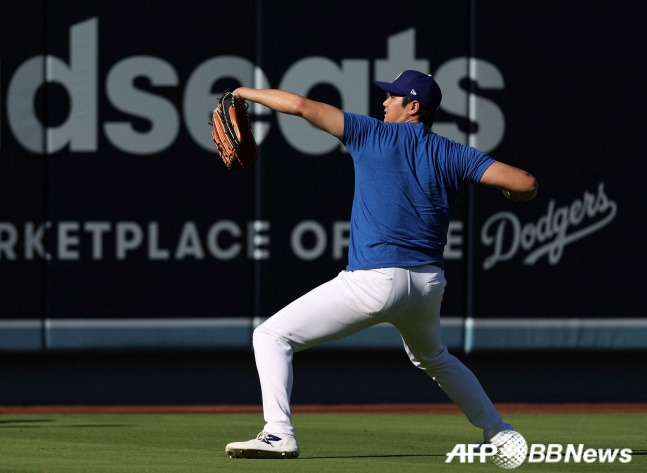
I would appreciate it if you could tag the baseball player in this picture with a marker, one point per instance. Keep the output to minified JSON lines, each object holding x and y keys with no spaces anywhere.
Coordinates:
{"x":406,"y":181}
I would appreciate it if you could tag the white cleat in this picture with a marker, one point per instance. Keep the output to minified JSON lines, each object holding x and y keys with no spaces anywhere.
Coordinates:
{"x":265,"y":445}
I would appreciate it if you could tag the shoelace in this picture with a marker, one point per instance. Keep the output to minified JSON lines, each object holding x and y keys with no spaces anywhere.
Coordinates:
{"x":266,"y":437}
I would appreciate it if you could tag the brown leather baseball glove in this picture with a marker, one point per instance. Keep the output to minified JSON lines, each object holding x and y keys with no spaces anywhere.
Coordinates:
{"x":232,"y":132}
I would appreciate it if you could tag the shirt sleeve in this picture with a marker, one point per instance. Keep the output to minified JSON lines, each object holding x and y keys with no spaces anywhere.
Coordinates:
{"x":473,"y":163}
{"x":358,"y":129}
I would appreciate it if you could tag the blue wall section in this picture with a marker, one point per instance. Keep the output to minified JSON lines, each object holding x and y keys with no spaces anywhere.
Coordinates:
{"x":236,"y":333}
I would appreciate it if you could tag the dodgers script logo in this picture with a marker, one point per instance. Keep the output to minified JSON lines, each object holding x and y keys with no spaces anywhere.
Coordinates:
{"x":560,"y":226}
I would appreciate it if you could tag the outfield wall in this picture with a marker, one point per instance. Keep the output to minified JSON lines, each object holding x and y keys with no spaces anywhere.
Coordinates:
{"x":121,"y":229}
{"x":321,"y":376}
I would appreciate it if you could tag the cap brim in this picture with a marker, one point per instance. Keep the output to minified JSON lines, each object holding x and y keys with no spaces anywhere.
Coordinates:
{"x":389,"y":87}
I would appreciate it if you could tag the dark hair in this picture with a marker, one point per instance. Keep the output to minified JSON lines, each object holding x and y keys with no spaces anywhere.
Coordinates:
{"x":426,"y":114}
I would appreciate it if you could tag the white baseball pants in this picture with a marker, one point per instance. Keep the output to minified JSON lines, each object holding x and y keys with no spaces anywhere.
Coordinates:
{"x":407,"y":298}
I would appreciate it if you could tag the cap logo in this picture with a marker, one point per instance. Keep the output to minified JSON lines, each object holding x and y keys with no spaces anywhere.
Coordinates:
{"x":413,"y":92}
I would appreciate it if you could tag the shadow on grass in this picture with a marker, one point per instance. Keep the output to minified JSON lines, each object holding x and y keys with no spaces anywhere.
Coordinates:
{"x":37,"y":423}
{"x":401,"y":455}
{"x":24,"y":421}
{"x":405,"y":455}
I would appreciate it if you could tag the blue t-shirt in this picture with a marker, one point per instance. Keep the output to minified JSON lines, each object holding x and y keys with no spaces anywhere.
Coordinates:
{"x":406,"y":181}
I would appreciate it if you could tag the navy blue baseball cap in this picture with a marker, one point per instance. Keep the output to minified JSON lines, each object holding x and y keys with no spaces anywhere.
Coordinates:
{"x":417,"y":86}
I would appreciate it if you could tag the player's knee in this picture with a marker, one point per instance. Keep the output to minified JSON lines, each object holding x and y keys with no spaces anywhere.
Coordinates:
{"x":432,"y":363}
{"x":258,"y":336}
{"x":262,"y":336}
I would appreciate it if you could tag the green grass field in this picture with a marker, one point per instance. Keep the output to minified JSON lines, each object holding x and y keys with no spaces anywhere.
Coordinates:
{"x":372,"y":443}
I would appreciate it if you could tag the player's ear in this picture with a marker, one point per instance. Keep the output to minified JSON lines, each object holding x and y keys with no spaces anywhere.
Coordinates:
{"x":415,"y":107}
